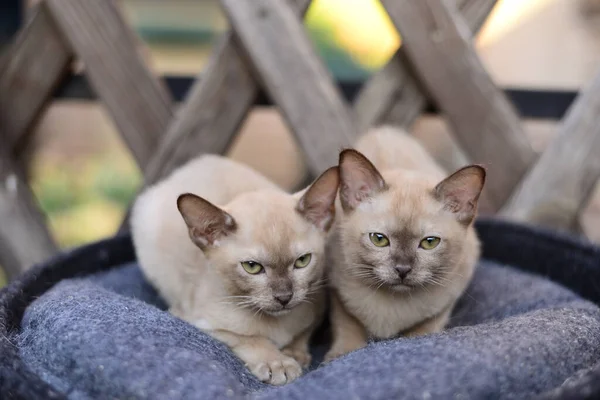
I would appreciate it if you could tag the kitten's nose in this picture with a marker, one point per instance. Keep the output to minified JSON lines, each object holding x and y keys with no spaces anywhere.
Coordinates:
{"x":402,"y":270}
{"x":283,"y":298}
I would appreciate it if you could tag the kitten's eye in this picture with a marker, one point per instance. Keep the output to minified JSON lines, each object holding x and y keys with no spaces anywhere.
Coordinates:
{"x":303,"y":260}
{"x":430,"y":242}
{"x":252,"y":267}
{"x":379,"y":239}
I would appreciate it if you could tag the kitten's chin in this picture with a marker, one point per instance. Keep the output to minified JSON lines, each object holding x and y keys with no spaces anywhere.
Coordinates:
{"x":277,"y":313}
{"x":401,"y":287}
{"x":398,"y":285}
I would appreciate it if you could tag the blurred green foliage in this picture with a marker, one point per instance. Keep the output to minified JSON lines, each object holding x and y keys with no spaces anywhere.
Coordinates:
{"x":85,"y":199}
{"x":115,"y":185}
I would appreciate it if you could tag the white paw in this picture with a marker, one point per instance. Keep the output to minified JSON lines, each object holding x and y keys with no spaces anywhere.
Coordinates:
{"x":277,"y":371}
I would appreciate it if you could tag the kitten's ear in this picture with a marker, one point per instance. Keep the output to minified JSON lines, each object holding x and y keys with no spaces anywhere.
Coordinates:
{"x":460,"y":191}
{"x":317,"y":204}
{"x":359,"y":179}
{"x":206,"y":222}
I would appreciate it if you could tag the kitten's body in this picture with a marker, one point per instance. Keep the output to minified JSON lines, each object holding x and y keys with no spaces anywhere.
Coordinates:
{"x":406,"y":210}
{"x":206,"y":286}
{"x":391,"y":149}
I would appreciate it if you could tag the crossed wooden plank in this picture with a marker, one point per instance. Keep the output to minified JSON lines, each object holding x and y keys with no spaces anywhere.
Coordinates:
{"x":40,"y":57}
{"x":24,"y":238}
{"x":26,"y":84}
{"x":438,"y":44}
{"x":282,"y":54}
{"x":33,"y":66}
{"x":394,"y":94}
{"x":269,"y":48}
{"x":220,"y":101}
{"x":557,"y":187}
{"x":215,"y":108}
{"x":279,"y":76}
{"x":136,"y":99}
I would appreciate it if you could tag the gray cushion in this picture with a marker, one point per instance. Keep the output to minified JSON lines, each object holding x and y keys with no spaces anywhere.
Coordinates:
{"x":512,"y":335}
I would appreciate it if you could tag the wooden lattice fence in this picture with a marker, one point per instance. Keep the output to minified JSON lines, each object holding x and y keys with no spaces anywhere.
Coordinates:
{"x":268,"y":48}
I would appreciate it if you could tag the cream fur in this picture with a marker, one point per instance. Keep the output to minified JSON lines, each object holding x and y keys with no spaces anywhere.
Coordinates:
{"x":197,"y":289}
{"x":363,"y":308}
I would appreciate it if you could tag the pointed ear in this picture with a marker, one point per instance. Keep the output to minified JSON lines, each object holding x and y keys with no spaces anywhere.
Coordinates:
{"x":460,"y":192}
{"x":206,"y":222}
{"x":359,"y":179}
{"x":317,"y":204}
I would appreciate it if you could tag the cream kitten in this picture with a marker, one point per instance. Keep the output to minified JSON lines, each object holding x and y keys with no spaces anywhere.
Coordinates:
{"x":406,"y":248}
{"x":245,"y":263}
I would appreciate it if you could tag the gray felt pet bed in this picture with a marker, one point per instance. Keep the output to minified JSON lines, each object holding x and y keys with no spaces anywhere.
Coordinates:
{"x":87,"y":326}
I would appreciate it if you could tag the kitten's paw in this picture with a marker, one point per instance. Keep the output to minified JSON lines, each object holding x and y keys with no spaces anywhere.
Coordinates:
{"x":278,"y":371}
{"x":302,"y":356}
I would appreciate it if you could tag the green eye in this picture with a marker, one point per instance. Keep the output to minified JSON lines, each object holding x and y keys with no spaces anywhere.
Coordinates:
{"x":379,"y":239}
{"x":303,"y":260}
{"x":252,"y":267}
{"x":430,"y":242}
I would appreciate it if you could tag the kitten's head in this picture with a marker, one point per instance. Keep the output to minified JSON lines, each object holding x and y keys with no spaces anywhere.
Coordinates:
{"x":267,"y":246}
{"x":404,"y":229}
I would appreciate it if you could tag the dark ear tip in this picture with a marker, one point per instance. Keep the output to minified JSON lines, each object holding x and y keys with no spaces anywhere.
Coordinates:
{"x":333,"y":171}
{"x":352,"y":153}
{"x":478,"y":169}
{"x":343,"y":155}
{"x":182,"y":197}
{"x":330,"y":176}
{"x":481,"y":170}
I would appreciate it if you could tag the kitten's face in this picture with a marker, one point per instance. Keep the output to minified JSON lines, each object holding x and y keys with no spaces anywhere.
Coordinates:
{"x":402,"y":238}
{"x":267,"y":247}
{"x":275,"y":257}
{"x":402,"y":230}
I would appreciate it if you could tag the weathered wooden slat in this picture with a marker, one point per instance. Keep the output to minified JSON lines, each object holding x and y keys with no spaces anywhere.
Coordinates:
{"x":559,"y":184}
{"x":211,"y":115}
{"x":32,"y":67}
{"x":438,"y":43}
{"x":275,"y":41}
{"x":214,"y":110}
{"x":24,"y":238}
{"x":138,"y":102}
{"x":393,"y":95}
